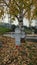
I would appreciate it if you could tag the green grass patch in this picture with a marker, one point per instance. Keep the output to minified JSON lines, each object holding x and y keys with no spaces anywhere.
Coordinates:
{"x":4,"y":30}
{"x":30,"y":63}
{"x":28,"y":31}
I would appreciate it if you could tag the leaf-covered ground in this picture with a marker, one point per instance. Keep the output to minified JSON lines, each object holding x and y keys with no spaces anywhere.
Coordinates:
{"x":26,"y":54}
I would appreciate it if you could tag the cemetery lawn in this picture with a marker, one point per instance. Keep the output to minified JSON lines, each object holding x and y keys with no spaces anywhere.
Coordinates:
{"x":4,"y":30}
{"x":26,"y":54}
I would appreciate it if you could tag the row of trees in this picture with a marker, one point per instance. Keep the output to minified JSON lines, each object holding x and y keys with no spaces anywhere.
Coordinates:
{"x":19,"y":9}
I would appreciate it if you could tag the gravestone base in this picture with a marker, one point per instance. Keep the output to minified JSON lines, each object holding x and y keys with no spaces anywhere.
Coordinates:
{"x":22,"y":40}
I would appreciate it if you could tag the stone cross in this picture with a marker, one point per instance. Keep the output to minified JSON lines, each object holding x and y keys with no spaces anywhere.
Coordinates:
{"x":18,"y":36}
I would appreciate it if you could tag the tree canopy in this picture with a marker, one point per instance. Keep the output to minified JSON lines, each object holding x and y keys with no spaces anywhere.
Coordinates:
{"x":19,"y":8}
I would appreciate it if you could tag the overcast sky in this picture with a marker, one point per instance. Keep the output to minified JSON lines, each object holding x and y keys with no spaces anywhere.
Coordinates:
{"x":25,"y":21}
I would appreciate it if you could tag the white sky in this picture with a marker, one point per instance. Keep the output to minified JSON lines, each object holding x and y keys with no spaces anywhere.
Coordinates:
{"x":25,"y":21}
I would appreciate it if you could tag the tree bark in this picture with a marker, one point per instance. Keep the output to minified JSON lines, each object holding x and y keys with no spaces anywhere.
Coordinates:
{"x":20,"y":22}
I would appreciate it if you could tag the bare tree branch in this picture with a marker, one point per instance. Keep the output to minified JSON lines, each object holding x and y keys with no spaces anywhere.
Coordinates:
{"x":9,"y":7}
{"x":17,"y":4}
{"x":6,"y":3}
{"x":27,"y":8}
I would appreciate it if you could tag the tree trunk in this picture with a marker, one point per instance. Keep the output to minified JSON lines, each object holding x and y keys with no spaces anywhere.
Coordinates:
{"x":30,"y":26}
{"x":29,"y":23}
{"x":20,"y":22}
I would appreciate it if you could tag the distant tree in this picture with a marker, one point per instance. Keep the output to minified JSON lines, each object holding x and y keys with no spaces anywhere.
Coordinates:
{"x":32,"y":12}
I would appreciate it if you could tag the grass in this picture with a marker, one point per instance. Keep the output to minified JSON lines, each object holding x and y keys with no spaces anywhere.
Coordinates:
{"x":28,"y":31}
{"x":4,"y":30}
{"x":30,"y":63}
